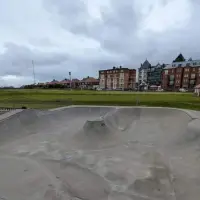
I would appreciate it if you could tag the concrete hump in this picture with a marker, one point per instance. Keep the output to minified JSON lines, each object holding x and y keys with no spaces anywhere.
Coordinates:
{"x":18,"y":125}
{"x":97,"y":127}
{"x":121,"y":119}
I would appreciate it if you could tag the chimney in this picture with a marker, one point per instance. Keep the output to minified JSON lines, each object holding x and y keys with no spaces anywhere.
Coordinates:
{"x":120,"y":67}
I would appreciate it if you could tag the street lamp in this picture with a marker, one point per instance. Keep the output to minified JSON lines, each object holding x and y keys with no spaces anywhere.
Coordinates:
{"x":70,"y":78}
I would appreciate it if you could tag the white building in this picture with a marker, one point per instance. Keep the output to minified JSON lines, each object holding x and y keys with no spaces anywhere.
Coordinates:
{"x":143,"y":74}
{"x":143,"y":71}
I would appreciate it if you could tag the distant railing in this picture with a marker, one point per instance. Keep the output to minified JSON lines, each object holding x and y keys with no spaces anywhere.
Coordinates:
{"x":8,"y":109}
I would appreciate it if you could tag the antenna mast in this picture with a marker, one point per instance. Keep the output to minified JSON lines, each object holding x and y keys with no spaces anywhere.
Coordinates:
{"x":33,"y":72}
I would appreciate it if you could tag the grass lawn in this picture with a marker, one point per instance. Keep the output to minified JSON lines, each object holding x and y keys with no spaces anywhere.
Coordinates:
{"x":43,"y":99}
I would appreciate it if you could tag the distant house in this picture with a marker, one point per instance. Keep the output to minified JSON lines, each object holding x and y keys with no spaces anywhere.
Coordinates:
{"x":67,"y":83}
{"x":89,"y":83}
{"x":53,"y":82}
{"x":75,"y":83}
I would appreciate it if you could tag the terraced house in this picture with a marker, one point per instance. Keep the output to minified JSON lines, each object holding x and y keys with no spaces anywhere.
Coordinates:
{"x":181,"y":74}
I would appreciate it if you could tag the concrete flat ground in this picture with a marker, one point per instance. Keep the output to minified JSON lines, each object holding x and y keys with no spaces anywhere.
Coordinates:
{"x":100,"y":153}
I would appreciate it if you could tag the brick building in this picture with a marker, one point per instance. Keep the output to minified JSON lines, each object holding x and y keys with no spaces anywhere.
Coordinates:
{"x":117,"y":78}
{"x":185,"y":74}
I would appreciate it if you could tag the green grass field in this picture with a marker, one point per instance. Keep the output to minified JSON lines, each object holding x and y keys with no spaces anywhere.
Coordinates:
{"x":43,"y":99}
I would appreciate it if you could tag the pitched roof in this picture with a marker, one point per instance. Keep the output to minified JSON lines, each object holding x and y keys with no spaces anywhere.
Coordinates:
{"x":75,"y":80}
{"x":179,"y":58}
{"x":90,"y":80}
{"x":65,"y":81}
{"x":145,"y":65}
{"x":193,"y":63}
{"x":53,"y":82}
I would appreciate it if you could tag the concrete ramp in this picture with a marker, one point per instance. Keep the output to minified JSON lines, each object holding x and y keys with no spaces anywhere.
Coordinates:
{"x":100,"y":153}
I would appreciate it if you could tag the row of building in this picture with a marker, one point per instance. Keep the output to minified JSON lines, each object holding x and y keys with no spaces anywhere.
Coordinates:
{"x":85,"y":83}
{"x":181,"y":73}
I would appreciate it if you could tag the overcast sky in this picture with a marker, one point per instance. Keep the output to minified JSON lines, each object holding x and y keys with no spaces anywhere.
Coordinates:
{"x":83,"y":36}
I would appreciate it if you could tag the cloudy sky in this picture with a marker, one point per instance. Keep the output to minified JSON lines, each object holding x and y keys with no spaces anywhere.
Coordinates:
{"x":83,"y":36}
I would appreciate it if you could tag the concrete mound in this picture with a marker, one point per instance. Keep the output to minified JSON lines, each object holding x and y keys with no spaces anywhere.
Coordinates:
{"x":100,"y":153}
{"x":121,"y":119}
{"x":96,"y":128}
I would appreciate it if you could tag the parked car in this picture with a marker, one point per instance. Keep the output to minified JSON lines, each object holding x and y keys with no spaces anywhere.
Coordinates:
{"x":182,"y":90}
{"x":159,"y":90}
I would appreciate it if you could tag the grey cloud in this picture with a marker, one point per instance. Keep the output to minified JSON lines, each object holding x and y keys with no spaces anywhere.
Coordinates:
{"x":42,"y":42}
{"x":74,"y":12}
{"x":22,"y":55}
{"x":117,"y":31}
{"x":119,"y":37}
{"x":18,"y":61}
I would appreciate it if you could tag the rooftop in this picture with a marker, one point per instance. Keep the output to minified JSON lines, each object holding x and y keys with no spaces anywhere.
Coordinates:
{"x":193,"y":63}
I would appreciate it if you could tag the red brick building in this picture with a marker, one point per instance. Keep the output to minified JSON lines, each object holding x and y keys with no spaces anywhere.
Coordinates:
{"x":184,"y":74}
{"x":117,"y":78}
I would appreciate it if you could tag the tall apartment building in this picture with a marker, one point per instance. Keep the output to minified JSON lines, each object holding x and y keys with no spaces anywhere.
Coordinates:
{"x":184,"y":74}
{"x":117,"y":78}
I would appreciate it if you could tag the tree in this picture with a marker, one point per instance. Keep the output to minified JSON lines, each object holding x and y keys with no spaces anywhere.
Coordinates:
{"x":180,"y":58}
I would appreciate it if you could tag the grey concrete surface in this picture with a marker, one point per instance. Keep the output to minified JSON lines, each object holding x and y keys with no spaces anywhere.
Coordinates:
{"x":100,"y":153}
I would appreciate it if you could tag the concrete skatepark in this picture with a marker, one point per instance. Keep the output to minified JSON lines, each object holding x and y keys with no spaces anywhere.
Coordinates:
{"x":100,"y":153}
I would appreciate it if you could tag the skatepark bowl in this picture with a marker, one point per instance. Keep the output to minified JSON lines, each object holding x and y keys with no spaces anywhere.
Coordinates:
{"x":100,"y":153}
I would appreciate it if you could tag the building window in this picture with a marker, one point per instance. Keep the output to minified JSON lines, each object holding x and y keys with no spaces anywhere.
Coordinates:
{"x":193,"y":69}
{"x":166,"y":71}
{"x":180,"y":65}
{"x":194,"y":63}
{"x":186,"y":70}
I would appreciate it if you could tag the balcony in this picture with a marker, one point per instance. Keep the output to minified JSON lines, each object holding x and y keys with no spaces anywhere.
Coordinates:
{"x":171,"y":77}
{"x":193,"y":77}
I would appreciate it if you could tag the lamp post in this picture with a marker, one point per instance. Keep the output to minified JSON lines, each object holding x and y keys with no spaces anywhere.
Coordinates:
{"x":70,"y":78}
{"x":33,"y":72}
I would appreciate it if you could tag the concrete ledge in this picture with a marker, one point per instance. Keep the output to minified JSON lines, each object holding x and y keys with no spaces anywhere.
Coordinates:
{"x":192,"y":113}
{"x":10,"y":113}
